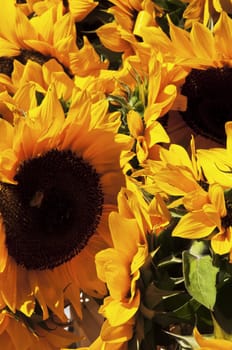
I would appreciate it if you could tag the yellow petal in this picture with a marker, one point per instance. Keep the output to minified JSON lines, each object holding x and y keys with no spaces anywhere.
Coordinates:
{"x":141,"y":149}
{"x":204,"y":47}
{"x":222,"y":242}
{"x":211,"y":344}
{"x":143,"y":19}
{"x":195,"y":200}
{"x":8,"y":280}
{"x":194,"y":225}
{"x":216,"y":165}
{"x":181,"y":40}
{"x":223,"y":33}
{"x":8,"y":49}
{"x":111,"y":38}
{"x":81,"y":8}
{"x":155,"y":133}
{"x":3,"y":248}
{"x":116,"y":334}
{"x":25,"y":299}
{"x":124,"y":242}
{"x":113,"y":268}
{"x":118,"y":313}
{"x":216,"y":195}
{"x":135,"y":124}
{"x":176,"y":181}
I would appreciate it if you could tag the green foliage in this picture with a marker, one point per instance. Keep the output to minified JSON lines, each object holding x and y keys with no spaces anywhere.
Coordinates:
{"x":200,"y":278}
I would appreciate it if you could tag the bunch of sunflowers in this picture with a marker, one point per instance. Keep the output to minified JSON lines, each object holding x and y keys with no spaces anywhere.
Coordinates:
{"x":116,"y":173}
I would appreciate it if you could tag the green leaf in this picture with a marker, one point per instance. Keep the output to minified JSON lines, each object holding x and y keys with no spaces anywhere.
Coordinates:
{"x":188,"y":310}
{"x":200,"y":278}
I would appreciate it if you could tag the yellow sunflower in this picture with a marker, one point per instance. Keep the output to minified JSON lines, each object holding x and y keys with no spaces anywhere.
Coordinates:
{"x":18,"y":332}
{"x":208,"y":55}
{"x":208,"y":216}
{"x":186,"y":49}
{"x":216,"y":162}
{"x":120,"y":35}
{"x":151,"y":213}
{"x":168,"y":179}
{"x":176,"y":164}
{"x":203,"y":208}
{"x":216,"y":166}
{"x":149,"y":89}
{"x":51,"y":34}
{"x":59,"y":181}
{"x":207,"y":212}
{"x":119,"y":268}
{"x":28,"y":84}
{"x":132,"y":15}
{"x":38,"y":38}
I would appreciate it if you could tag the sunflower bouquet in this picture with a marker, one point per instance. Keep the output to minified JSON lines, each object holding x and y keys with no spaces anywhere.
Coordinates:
{"x":115,"y":175}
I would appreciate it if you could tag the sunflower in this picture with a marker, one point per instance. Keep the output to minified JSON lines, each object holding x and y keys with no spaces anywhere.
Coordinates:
{"x":59,"y":181}
{"x":18,"y":332}
{"x":208,"y":216}
{"x":40,"y":38}
{"x":176,"y":164}
{"x":121,"y":34}
{"x":28,"y":84}
{"x":148,"y":92}
{"x":208,"y":55}
{"x":200,"y":207}
{"x":119,"y":268}
{"x":151,"y":213}
{"x":216,"y":162}
{"x":133,"y":15}
{"x":203,"y":209}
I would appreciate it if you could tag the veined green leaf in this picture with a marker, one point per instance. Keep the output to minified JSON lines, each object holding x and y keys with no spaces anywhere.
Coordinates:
{"x":200,"y":278}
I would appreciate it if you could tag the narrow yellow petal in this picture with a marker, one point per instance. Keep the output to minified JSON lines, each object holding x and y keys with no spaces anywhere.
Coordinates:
{"x":223,"y":33}
{"x":205,"y":47}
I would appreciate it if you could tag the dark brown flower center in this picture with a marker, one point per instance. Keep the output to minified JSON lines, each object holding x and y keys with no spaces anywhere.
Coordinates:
{"x":53,"y":210}
{"x":209,"y":103}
